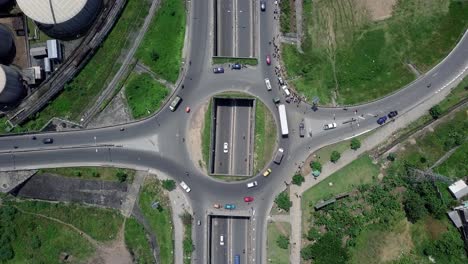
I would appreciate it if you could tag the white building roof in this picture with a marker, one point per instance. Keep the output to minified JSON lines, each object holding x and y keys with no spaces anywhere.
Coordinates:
{"x":459,"y":189}
{"x":51,"y":11}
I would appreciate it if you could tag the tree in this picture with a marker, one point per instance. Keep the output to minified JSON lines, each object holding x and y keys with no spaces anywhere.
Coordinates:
{"x":335,"y":156}
{"x":313,"y":234}
{"x":35,"y":242}
{"x":6,"y":252}
{"x":435,"y":111}
{"x":283,"y":242}
{"x":327,"y":250}
{"x":298,"y":179}
{"x":169,"y":184}
{"x":154,"y":56}
{"x":414,"y":206}
{"x":391,"y":156}
{"x":355,"y":144}
{"x":315,"y":165}
{"x":283,"y":202}
{"x":121,"y":175}
{"x":186,"y":218}
{"x":95,"y":174}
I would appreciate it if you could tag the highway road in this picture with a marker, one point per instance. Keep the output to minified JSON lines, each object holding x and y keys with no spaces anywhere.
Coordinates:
{"x":225,"y":28}
{"x":235,"y":235}
{"x":158,"y":143}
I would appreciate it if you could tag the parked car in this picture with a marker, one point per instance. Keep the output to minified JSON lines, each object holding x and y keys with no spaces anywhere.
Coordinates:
{"x":252,"y":184}
{"x":268,"y":84}
{"x":392,"y":114}
{"x":281,"y":81}
{"x":276,"y":100}
{"x":48,"y":140}
{"x":225,"y":147}
{"x":267,"y":172}
{"x":185,"y":187}
{"x":217,"y":206}
{"x":236,"y":66}
{"x":221,"y":240}
{"x":198,"y":222}
{"x":329,"y":126}
{"x":279,"y":156}
{"x":230,"y":206}
{"x":382,"y":120}
{"x":248,"y":199}
{"x":187,"y":109}
{"x":262,"y":6}
{"x":268,"y":60}
{"x":301,"y":129}
{"x":286,"y":90}
{"x":218,"y":70}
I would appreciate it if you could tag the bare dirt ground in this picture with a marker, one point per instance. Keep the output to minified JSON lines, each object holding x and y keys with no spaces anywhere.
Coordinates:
{"x":114,"y":252}
{"x":194,"y":139}
{"x":396,"y":244}
{"x":378,"y":9}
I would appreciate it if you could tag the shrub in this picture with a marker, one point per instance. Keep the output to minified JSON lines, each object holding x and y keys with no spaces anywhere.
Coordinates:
{"x":283,"y":242}
{"x":391,"y":156}
{"x":335,"y":156}
{"x":315,"y":165}
{"x":327,"y":250}
{"x":186,"y":218}
{"x":169,"y":184}
{"x":283,"y":202}
{"x":414,"y":206}
{"x":355,"y":144}
{"x":313,"y":234}
{"x":298,"y":179}
{"x":435,"y":111}
{"x":121,"y":175}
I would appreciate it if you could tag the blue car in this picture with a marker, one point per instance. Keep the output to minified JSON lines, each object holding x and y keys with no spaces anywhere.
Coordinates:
{"x":230,"y":206}
{"x":218,"y":70}
{"x":236,"y":66}
{"x":382,"y":120}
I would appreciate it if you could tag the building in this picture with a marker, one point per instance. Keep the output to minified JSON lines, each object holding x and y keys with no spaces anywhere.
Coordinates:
{"x":458,"y":189}
{"x":459,"y":217}
{"x":7,"y":45}
{"x":11,"y":87}
{"x":62,"y":19}
{"x":54,"y":50}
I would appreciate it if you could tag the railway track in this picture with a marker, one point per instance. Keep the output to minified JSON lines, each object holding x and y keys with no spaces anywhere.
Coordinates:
{"x":54,"y":85}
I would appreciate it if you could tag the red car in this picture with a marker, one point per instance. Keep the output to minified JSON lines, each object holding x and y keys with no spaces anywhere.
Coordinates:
{"x":187,"y":109}
{"x":268,"y":59}
{"x":248,"y":199}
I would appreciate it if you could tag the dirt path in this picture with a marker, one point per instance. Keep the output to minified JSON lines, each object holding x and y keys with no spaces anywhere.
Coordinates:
{"x":195,"y":133}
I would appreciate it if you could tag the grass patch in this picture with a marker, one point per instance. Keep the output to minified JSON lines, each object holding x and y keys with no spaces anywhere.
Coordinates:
{"x":287,"y":16}
{"x":92,"y":79}
{"x":137,"y":242}
{"x":265,"y":136}
{"x":162,"y":45}
{"x":456,"y":166}
{"x":277,"y":255}
{"x":323,"y":154}
{"x":360,"y":171}
{"x":159,"y":219}
{"x":91,"y":173}
{"x":246,"y":61}
{"x":206,"y":136}
{"x":234,"y":95}
{"x":101,"y":224}
{"x":358,"y":60}
{"x":227,"y":178}
{"x":188,"y":244}
{"x":42,"y":36}
{"x":54,"y":238}
{"x":144,"y":94}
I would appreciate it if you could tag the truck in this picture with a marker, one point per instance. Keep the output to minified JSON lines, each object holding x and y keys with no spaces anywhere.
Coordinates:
{"x":237,"y":259}
{"x":283,"y":120}
{"x":279,"y":156}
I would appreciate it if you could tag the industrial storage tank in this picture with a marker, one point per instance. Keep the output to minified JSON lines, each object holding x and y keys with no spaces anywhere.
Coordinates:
{"x":62,"y":19}
{"x":11,"y":87}
{"x":7,"y":45}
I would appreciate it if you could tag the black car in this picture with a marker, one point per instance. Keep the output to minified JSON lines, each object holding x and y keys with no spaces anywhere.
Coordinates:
{"x":48,"y":140}
{"x":236,"y":66}
{"x":218,"y":70}
{"x":262,"y":5}
{"x":301,"y":129}
{"x":392,"y":114}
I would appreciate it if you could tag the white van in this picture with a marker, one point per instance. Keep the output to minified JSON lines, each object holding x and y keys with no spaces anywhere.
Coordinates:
{"x":221,"y":240}
{"x":286,"y":90}
{"x":268,"y":84}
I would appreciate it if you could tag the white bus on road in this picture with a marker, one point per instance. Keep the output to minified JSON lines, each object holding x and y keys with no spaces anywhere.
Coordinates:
{"x":283,"y":119}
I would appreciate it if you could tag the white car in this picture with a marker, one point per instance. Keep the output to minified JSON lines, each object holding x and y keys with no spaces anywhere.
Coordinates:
{"x":185,"y":187}
{"x":221,"y":240}
{"x":225,"y":147}
{"x":268,"y":84}
{"x":329,"y":126}
{"x":252,"y":184}
{"x":286,"y":90}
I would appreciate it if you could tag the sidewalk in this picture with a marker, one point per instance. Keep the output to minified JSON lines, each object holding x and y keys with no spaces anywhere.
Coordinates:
{"x":372,"y":141}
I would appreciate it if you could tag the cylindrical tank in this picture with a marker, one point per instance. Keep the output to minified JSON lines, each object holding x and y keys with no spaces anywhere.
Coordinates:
{"x":7,"y":45}
{"x":11,"y":86}
{"x":62,"y":19}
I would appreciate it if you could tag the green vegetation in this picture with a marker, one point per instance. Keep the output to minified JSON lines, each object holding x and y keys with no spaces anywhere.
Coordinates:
{"x":265,"y":136}
{"x":335,"y":156}
{"x":27,"y":238}
{"x":169,"y":184}
{"x":160,"y":218}
{"x":42,"y":37}
{"x":327,"y":250}
{"x":435,"y":111}
{"x":161,"y":48}
{"x":323,"y":154}
{"x":229,"y":178}
{"x":456,"y":165}
{"x":349,"y":59}
{"x":283,"y":242}
{"x":144,"y":94}
{"x":100,"y":69}
{"x":100,"y":224}
{"x":283,"y":202}
{"x":224,"y":60}
{"x":93,"y":173}
{"x":137,"y":242}
{"x":206,"y":135}
{"x":298,"y":179}
{"x":188,"y":246}
{"x":316,"y":166}
{"x":355,"y":144}
{"x":276,"y":254}
{"x":287,"y":16}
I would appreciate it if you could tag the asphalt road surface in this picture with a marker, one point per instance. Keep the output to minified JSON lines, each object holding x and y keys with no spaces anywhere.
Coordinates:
{"x":245,"y":28}
{"x":235,"y":235}
{"x":234,"y":127}
{"x":225,"y":28}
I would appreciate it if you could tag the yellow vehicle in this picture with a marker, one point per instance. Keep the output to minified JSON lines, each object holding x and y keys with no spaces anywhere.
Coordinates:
{"x":267,"y":172}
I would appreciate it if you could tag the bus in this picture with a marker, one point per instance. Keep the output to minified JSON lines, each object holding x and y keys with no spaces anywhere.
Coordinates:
{"x":236,"y":259}
{"x":283,"y":120}
{"x":175,"y":103}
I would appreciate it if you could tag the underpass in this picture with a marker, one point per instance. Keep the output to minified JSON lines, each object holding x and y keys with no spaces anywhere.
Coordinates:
{"x":228,"y":238}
